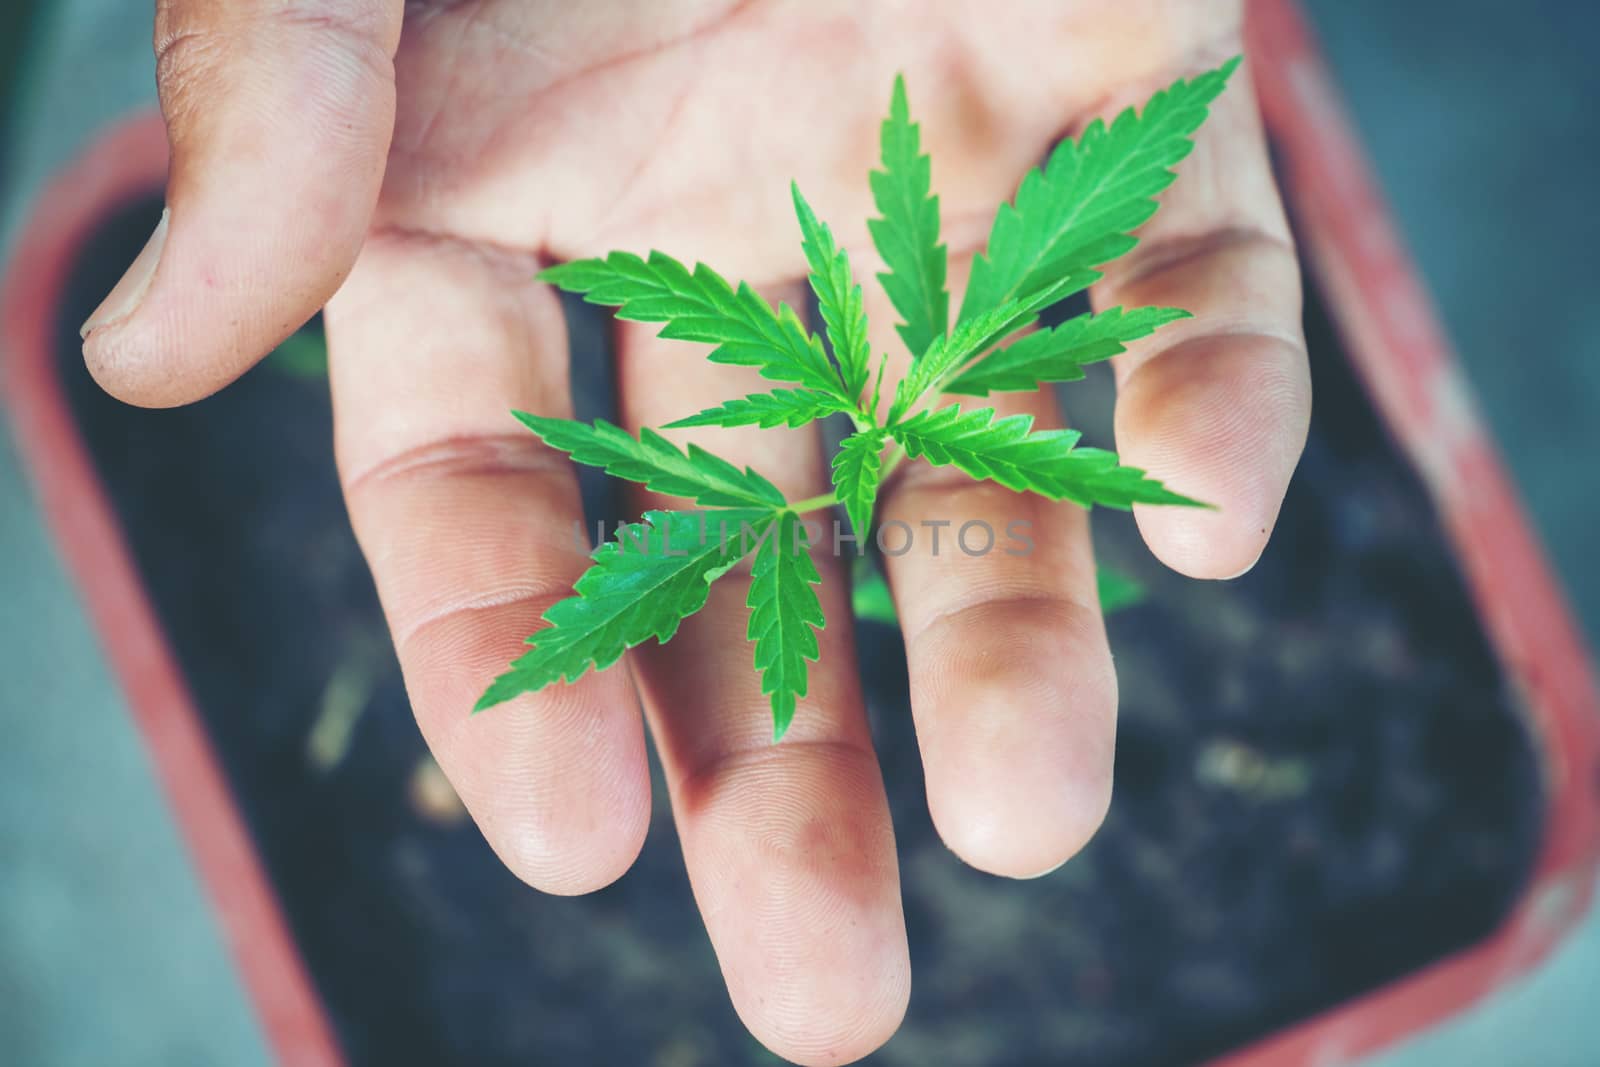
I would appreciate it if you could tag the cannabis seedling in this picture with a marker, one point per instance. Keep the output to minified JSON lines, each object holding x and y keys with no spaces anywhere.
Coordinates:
{"x":1068,"y":218}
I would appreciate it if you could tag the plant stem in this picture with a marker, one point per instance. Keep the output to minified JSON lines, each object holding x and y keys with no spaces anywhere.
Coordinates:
{"x":891,"y":463}
{"x":823,"y":501}
{"x":814,"y":503}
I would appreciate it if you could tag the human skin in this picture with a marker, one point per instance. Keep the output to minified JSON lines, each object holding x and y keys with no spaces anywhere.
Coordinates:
{"x":415,"y":177}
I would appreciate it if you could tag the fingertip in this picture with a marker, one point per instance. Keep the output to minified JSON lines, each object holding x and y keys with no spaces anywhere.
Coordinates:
{"x":564,"y":867}
{"x":1208,"y":545}
{"x":571,"y":827}
{"x":569,"y":857}
{"x":1023,"y":813}
{"x":558,"y":781}
{"x":120,"y":371}
{"x":102,"y":330}
{"x":791,"y":854}
{"x":1017,"y":729}
{"x":1221,"y":419}
{"x":838,"y":1030}
{"x":211,"y":293}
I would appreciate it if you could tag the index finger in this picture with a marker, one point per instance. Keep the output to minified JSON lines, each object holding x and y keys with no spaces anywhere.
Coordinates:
{"x":470,"y":525}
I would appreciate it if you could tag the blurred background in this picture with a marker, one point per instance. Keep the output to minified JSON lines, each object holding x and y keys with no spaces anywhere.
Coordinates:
{"x":1398,"y":803}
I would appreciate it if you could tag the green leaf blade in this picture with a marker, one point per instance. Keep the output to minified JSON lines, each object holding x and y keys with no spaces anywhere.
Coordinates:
{"x":839,"y":298}
{"x":1080,"y":208}
{"x":907,"y":233}
{"x":701,"y":306}
{"x":785,"y":615}
{"x":656,"y":463}
{"x":781,"y":407}
{"x":642,"y":584}
{"x":1069,"y":217}
{"x":975,"y":336}
{"x":857,"y":470}
{"x":1010,"y":452}
{"x":1060,"y":354}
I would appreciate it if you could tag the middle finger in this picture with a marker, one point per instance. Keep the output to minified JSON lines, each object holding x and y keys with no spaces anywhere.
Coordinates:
{"x":789,"y":846}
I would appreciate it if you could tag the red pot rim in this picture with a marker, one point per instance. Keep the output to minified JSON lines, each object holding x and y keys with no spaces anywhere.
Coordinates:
{"x":1401,"y":354}
{"x":128,"y":162}
{"x":1395,"y":343}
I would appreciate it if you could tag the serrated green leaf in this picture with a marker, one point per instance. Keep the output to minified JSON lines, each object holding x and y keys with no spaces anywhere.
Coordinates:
{"x":701,"y":306}
{"x":1072,"y":215}
{"x":907,"y":234}
{"x":838,"y":297}
{"x":656,"y":463}
{"x":977,"y":335}
{"x":785,"y":616}
{"x":1080,"y":208}
{"x":1060,"y":354}
{"x":642,"y":584}
{"x":1047,"y":462}
{"x":781,"y":407}
{"x":857,"y":468}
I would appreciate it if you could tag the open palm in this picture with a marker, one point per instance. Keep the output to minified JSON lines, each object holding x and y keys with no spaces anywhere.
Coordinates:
{"x":449,"y":159}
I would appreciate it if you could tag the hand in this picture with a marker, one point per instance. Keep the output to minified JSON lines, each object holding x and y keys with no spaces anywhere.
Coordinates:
{"x":527,"y":132}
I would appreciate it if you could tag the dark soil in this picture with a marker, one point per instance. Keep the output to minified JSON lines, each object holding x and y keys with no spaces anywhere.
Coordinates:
{"x":1322,"y":781}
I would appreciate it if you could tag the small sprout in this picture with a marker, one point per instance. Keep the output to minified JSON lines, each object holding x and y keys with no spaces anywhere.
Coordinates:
{"x":1067,"y":220}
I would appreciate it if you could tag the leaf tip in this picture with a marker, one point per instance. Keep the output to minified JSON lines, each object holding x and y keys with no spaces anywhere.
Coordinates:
{"x":1178,"y":500}
{"x":802,"y":208}
{"x":782,"y":715}
{"x":492,"y":697}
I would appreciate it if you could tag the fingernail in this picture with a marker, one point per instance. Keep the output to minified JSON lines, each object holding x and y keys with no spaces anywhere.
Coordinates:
{"x":125,"y":297}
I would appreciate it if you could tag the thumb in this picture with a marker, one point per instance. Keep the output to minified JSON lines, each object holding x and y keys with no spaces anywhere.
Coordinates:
{"x":279,"y":115}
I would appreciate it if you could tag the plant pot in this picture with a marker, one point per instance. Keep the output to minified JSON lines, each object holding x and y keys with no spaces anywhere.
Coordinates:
{"x":1374,"y":803}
